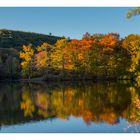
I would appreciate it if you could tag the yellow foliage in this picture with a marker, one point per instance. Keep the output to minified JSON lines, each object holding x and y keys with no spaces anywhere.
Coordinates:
{"x":27,"y":104}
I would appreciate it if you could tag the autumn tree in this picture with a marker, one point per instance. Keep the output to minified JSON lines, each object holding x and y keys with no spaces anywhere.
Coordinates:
{"x":27,"y":65}
{"x":74,"y":47}
{"x":132,"y":44}
{"x":86,"y":53}
{"x":108,"y":43}
{"x":42,"y":58}
{"x":58,"y":55}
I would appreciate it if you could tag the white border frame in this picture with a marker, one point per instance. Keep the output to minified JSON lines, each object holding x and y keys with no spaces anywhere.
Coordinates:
{"x":70,"y":3}
{"x":69,"y":136}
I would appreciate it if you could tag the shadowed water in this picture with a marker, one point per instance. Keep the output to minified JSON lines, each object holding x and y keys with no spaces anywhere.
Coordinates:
{"x":69,"y":107}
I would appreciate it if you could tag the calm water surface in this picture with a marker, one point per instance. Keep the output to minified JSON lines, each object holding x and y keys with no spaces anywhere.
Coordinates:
{"x":69,"y":107}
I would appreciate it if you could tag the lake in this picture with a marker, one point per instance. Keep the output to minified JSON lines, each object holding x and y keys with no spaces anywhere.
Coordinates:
{"x":70,"y":107}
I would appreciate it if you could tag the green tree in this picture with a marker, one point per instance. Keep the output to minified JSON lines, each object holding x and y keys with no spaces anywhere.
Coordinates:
{"x":11,"y":66}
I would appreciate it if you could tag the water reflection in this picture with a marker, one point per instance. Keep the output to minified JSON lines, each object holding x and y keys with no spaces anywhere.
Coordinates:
{"x":93,"y":102}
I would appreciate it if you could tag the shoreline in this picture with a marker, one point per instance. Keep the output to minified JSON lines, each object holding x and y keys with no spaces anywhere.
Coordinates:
{"x":41,"y":79}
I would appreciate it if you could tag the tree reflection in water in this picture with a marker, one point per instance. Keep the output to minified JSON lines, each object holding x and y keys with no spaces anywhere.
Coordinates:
{"x":93,"y":102}
{"x":134,"y":118}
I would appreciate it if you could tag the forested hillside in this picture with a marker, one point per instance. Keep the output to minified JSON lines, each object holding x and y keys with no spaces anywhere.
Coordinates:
{"x":15,"y":39}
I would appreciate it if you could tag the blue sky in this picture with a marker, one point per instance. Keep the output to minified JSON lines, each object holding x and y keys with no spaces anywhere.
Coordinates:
{"x":72,"y":22}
